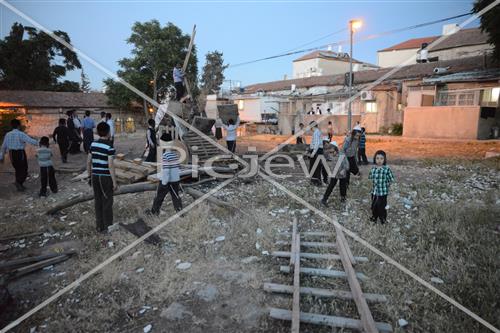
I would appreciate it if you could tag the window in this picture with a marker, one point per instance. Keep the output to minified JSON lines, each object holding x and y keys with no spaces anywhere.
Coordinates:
{"x":490,"y":96}
{"x":466,"y":98}
{"x":371,"y":107}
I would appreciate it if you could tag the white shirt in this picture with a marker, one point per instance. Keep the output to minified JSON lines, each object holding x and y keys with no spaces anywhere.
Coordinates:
{"x":357,"y":127}
{"x":77,"y":123}
{"x":111,"y":124}
{"x":231,"y":130}
{"x":316,"y":140}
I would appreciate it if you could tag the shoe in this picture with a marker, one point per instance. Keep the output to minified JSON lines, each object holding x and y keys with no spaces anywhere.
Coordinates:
{"x":19,"y":187}
{"x":324,"y":203}
{"x":382,"y":221}
{"x":342,"y":199}
{"x":42,"y":194}
{"x":148,"y":212}
{"x":373,"y":219}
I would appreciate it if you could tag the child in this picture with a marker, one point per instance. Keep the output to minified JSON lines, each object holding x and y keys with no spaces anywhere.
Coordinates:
{"x":382,"y":177}
{"x":44,"y":156}
{"x":102,"y":177}
{"x":231,"y":129}
{"x":341,"y":174}
{"x":300,"y":137}
{"x":362,"y":148}
{"x":350,"y":149}
{"x":151,"y":141}
{"x":170,"y":180}
{"x":61,"y":136}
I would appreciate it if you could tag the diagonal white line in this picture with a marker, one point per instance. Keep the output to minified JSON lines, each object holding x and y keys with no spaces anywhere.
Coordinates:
{"x":115,"y":256}
{"x":383,"y":77}
{"x":380,"y":253}
{"x":118,"y":79}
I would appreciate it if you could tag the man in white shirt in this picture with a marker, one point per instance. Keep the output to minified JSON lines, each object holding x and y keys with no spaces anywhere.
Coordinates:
{"x":111,"y":125}
{"x":231,"y":129}
{"x":316,"y":148}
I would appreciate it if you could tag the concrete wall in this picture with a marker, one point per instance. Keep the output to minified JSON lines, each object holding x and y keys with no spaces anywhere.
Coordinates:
{"x":395,"y":57}
{"x":339,"y":123}
{"x":450,"y":122}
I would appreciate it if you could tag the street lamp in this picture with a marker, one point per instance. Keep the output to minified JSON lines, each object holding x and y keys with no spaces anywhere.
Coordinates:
{"x":353,"y":26}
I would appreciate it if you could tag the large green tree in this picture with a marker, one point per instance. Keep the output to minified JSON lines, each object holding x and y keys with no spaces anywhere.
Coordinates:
{"x":213,"y":72}
{"x":156,"y":51}
{"x":490,"y":24}
{"x":32,"y":60}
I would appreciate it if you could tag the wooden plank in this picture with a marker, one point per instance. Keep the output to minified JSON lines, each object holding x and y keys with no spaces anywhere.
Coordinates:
{"x":186,"y":60}
{"x":127,"y":165}
{"x":306,"y":255}
{"x":20,"y":236}
{"x":345,"y":245}
{"x":368,"y":324}
{"x":323,"y":293}
{"x":332,"y":321}
{"x":296,"y":286}
{"x":36,"y":266}
{"x":119,"y":156}
{"x":310,"y":244}
{"x":323,"y":272}
{"x":294,"y":242}
{"x":21,"y":261}
{"x":308,"y":234}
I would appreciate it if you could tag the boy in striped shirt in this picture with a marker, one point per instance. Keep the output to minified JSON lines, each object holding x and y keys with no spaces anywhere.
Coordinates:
{"x":102,"y":177}
{"x":169,"y":182}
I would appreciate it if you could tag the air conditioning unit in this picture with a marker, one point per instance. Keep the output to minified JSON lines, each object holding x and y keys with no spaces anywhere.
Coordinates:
{"x":367,"y":95}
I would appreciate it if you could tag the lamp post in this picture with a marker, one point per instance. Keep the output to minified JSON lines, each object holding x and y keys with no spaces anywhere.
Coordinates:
{"x":353,"y":25}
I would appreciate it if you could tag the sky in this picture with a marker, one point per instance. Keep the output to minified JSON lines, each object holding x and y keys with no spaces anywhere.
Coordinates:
{"x":243,"y":30}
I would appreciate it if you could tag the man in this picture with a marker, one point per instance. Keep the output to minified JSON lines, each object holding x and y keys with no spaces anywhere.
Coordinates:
{"x":62,"y":137}
{"x":318,"y":110}
{"x":111,"y":125}
{"x":316,"y":148}
{"x":75,"y":137}
{"x":103,"y":117}
{"x":102,"y":178}
{"x":151,"y":141}
{"x":88,"y":131}
{"x":231,"y":129}
{"x":178,"y":81}
{"x":14,"y":142}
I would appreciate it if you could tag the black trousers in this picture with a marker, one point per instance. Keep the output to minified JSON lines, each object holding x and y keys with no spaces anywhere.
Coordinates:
{"x":231,"y":146}
{"x":362,"y":156}
{"x":179,"y":90}
{"x":103,"y":200}
{"x":63,"y":148}
{"x":48,"y":174}
{"x":331,"y":186}
{"x":151,"y":154}
{"x":320,"y":170}
{"x":88,"y":137}
{"x":19,"y":161}
{"x":299,"y":140}
{"x":162,"y":191}
{"x":378,"y":207}
{"x":353,"y":168}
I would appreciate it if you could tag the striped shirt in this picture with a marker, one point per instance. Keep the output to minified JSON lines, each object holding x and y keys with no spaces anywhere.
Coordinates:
{"x":362,"y":141}
{"x":44,"y":156}
{"x":100,"y":151}
{"x":316,"y":140}
{"x":16,"y":140}
{"x":169,"y":167}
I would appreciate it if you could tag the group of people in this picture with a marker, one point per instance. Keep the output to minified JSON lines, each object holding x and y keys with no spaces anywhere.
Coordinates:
{"x":344,"y":162}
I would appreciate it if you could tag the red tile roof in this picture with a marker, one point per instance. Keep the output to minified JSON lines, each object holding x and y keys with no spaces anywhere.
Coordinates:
{"x":414,"y":43}
{"x":416,"y":71}
{"x":47,"y":99}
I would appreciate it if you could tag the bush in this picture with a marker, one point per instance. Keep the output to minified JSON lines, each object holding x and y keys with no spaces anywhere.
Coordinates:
{"x":397,"y":129}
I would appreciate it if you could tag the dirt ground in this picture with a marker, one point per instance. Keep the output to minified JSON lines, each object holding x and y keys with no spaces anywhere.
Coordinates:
{"x":442,"y":224}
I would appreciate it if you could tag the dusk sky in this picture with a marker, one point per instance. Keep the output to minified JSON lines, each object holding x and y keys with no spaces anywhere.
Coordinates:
{"x":242,"y":30}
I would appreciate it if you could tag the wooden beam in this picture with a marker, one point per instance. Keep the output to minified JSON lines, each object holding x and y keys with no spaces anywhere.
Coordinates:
{"x":296,"y":287}
{"x":294,"y":242}
{"x":36,"y":266}
{"x":368,"y":324}
{"x":309,"y":234}
{"x":186,"y":60}
{"x":323,"y":272}
{"x":345,"y":245}
{"x":331,"y":321}
{"x":322,"y":293}
{"x":20,"y":236}
{"x":306,"y":255}
{"x":310,"y":244}
{"x":21,"y":261}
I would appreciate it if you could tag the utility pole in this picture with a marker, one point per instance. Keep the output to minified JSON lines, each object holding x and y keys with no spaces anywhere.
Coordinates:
{"x":353,"y":24}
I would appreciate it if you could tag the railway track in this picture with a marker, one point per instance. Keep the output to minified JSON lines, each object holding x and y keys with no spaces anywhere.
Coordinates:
{"x":300,"y":243}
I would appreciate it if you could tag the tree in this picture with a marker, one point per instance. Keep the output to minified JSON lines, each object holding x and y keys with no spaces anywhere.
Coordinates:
{"x":32,"y":60}
{"x":489,"y":24}
{"x":213,"y":73}
{"x":84,"y":82}
{"x":156,"y":51}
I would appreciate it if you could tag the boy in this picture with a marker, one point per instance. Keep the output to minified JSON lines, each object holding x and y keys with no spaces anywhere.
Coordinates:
{"x":101,"y":171}
{"x":350,"y":149}
{"x":170,"y":180}
{"x":316,"y":148}
{"x":300,"y":137}
{"x":341,"y":174}
{"x":151,"y":141}
{"x":231,"y":129}
{"x":362,"y":148}
{"x":44,"y":156}
{"x":62,"y":136}
{"x":382,"y":177}
{"x":14,"y":143}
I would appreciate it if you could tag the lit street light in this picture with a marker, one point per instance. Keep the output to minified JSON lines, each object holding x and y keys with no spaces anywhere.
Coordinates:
{"x":353,"y":26}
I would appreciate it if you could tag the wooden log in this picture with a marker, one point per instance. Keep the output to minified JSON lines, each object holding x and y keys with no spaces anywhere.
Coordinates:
{"x":323,"y":272}
{"x":309,"y":234}
{"x":119,"y":156}
{"x":137,"y":161}
{"x":36,"y":266}
{"x":141,"y":169}
{"x":21,"y":261}
{"x":306,"y":255}
{"x":311,"y":244}
{"x":129,"y":176}
{"x":84,"y":175}
{"x":322,"y":293}
{"x":296,"y":286}
{"x":198,"y":194}
{"x":368,"y":323}
{"x":20,"y":236}
{"x":332,"y":321}
{"x":294,"y":242}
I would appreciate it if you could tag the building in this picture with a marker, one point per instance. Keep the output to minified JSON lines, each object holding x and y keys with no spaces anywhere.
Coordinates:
{"x":41,"y":110}
{"x":381,"y":102}
{"x":319,"y":63}
{"x":458,"y":44}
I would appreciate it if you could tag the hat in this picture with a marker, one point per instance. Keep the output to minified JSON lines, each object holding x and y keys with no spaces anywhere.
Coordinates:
{"x":334,"y":143}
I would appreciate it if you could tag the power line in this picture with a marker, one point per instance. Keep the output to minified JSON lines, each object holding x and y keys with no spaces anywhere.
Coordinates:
{"x":317,"y":39}
{"x":342,"y":42}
